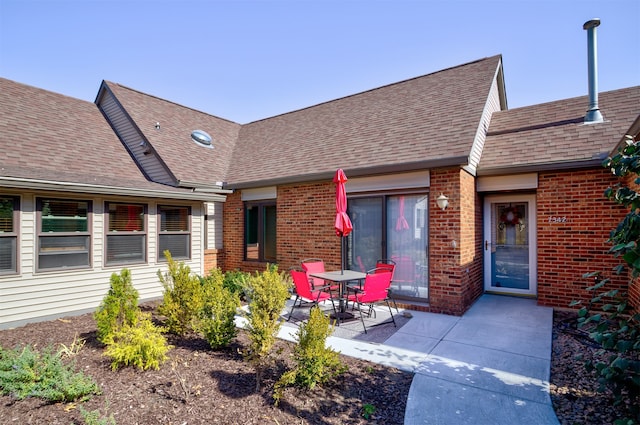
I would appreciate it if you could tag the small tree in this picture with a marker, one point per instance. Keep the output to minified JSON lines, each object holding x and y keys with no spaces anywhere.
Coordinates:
{"x":182,"y":299}
{"x":268,"y":293}
{"x":118,"y":308}
{"x":315,"y":362}
{"x":218,"y":311}
{"x":615,"y":326}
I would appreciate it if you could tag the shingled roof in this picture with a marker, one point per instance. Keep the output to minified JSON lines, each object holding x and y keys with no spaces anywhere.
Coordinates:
{"x":49,"y":138}
{"x":189,"y":163}
{"x":553,"y":135}
{"x":420,"y":123}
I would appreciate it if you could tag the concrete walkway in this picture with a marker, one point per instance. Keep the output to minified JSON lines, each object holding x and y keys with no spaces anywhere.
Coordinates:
{"x":490,"y":366}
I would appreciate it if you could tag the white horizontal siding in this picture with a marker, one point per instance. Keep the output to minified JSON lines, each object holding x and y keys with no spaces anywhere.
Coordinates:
{"x":31,"y":296}
{"x":214,"y":225}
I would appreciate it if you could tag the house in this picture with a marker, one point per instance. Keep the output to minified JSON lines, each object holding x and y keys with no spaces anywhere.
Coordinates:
{"x":89,"y":188}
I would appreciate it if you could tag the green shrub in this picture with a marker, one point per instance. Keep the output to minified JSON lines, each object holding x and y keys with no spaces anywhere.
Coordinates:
{"x":612,"y":322}
{"x":119,"y":306}
{"x":315,"y":362}
{"x":236,"y":282}
{"x":268,"y":293}
{"x":94,"y":417}
{"x":219,"y":310}
{"x":183,"y":297}
{"x":141,"y":345}
{"x":29,"y":373}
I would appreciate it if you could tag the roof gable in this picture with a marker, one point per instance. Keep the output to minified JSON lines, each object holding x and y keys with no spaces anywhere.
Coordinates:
{"x":166,"y":128}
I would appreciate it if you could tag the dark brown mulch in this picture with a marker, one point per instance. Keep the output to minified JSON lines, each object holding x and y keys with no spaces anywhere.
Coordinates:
{"x":201,"y":386}
{"x":219,"y":386}
{"x":573,"y":390}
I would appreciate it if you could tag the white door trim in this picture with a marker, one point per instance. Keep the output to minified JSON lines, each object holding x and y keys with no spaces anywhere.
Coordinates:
{"x":532,"y":237}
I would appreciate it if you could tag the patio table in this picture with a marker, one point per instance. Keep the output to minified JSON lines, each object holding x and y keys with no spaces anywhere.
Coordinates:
{"x":341,"y":277}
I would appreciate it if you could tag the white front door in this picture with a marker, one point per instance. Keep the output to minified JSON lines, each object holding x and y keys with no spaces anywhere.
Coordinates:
{"x":510,"y":244}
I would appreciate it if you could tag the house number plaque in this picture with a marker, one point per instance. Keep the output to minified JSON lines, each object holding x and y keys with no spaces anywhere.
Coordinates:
{"x":557,"y":219}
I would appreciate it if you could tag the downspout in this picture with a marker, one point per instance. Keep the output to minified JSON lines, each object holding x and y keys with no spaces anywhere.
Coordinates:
{"x":593,"y":114}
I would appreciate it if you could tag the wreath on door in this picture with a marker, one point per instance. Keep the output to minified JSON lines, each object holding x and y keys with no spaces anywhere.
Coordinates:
{"x":510,"y":216}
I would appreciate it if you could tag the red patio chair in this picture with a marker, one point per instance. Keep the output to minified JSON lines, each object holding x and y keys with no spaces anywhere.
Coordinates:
{"x":375,"y":289}
{"x":305,"y":293}
{"x":314,"y":265}
{"x":390,"y":265}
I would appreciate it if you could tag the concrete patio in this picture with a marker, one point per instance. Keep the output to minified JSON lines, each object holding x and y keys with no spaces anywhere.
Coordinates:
{"x":490,"y":366}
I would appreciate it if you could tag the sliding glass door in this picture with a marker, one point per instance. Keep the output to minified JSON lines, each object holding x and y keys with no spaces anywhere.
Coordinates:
{"x":392,"y":227}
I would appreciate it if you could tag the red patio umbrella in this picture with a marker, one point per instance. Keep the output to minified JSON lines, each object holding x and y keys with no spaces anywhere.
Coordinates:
{"x":343,"y":224}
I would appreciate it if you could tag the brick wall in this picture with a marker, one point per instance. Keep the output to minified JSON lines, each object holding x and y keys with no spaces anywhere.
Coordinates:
{"x":574,"y":221}
{"x":305,"y":219}
{"x":455,"y":241}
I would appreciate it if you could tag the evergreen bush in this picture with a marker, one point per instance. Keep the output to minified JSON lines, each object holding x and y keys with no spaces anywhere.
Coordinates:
{"x":183,"y":297}
{"x":218,"y":312}
{"x":141,"y":345}
{"x":315,"y":362}
{"x":268,"y":293}
{"x":29,"y":373}
{"x":119,"y":306}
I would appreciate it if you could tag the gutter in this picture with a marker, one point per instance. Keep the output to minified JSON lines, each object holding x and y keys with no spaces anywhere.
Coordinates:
{"x":532,"y":168}
{"x":31,"y":184}
{"x":458,"y":161}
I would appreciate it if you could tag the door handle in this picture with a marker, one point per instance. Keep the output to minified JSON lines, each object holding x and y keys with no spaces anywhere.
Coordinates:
{"x":486,"y":245}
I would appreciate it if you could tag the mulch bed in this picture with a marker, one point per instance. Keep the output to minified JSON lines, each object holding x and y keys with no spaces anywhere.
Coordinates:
{"x":573,"y":390}
{"x":201,"y":386}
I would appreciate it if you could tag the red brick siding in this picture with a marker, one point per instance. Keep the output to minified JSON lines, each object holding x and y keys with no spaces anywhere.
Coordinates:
{"x":569,"y":249}
{"x":305,"y":218}
{"x":213,"y":258}
{"x":455,"y":259}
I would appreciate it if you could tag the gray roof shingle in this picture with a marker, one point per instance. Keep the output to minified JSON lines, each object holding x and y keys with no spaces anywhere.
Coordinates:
{"x":49,"y":136}
{"x":553,"y":135}
{"x":425,"y":120}
{"x":187,"y":161}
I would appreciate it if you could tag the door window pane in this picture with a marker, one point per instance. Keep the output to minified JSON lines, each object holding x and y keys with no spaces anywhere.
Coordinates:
{"x":366,"y":239}
{"x":407,"y":244}
{"x":510,"y":251}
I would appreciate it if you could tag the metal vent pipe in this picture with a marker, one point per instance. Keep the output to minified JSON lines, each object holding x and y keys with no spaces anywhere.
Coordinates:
{"x":593,"y":113}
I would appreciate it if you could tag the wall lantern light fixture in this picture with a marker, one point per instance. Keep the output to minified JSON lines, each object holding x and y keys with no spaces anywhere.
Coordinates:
{"x":442,"y":201}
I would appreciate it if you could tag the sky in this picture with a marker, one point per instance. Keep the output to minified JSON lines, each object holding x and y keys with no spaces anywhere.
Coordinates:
{"x":248,"y":60}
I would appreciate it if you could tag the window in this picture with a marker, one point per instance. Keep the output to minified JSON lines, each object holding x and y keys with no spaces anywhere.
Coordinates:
{"x":126,"y":235}
{"x":260,"y":231}
{"x":9,"y":208}
{"x":64,"y":238}
{"x":175,"y":232}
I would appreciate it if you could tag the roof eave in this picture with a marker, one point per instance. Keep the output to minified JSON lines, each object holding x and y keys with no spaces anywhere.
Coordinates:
{"x":58,"y":186}
{"x":532,"y":168}
{"x":355,"y":172}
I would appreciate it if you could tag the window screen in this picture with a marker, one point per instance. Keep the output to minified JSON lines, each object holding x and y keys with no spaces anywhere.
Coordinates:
{"x":175,"y":231}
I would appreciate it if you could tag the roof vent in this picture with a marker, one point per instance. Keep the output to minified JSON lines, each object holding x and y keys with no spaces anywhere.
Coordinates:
{"x":593,"y":114}
{"x":201,"y":138}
